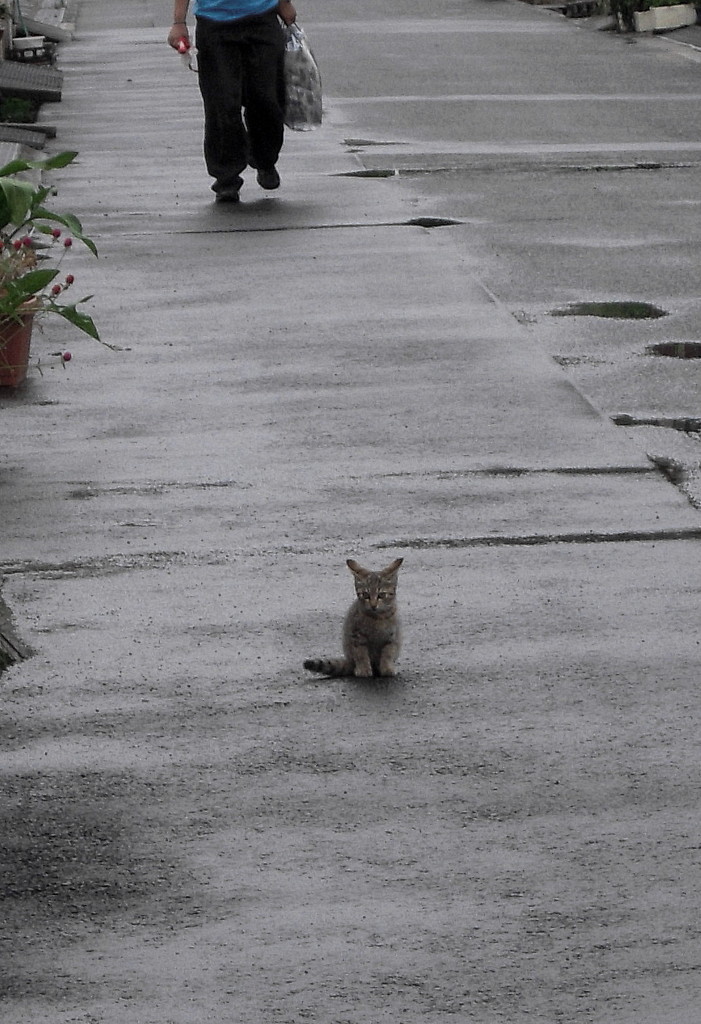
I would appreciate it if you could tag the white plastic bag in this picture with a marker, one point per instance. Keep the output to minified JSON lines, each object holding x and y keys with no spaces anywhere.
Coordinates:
{"x":302,"y":82}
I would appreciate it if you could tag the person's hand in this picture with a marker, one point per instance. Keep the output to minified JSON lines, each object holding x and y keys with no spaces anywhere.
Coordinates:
{"x":178,"y":32}
{"x":286,"y":11}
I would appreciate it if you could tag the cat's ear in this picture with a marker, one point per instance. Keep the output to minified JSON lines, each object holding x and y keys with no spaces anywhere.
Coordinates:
{"x":356,"y":569}
{"x":393,"y":568}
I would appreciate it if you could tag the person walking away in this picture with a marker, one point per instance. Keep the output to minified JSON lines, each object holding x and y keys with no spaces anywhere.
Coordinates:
{"x":240,"y":60}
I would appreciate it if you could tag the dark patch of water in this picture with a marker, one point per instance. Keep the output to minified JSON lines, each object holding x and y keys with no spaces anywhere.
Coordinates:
{"x":612,"y":310}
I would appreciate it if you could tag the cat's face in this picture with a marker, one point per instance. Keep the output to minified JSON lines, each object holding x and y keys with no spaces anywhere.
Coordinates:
{"x":376,"y":591}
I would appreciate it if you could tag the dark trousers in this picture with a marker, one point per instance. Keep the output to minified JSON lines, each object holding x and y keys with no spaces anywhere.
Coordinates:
{"x":240,"y":65}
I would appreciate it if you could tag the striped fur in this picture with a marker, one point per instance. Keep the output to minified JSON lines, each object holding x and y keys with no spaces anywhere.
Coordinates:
{"x":371,"y":631}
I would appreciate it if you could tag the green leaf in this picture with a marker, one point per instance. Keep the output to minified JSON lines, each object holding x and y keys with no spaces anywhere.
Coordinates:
{"x":14,"y":167}
{"x":80,"y":320}
{"x":37,"y":279}
{"x":41,"y":192}
{"x":70,"y":221}
{"x":30,"y":283}
{"x":88,"y":242}
{"x":18,"y":197}
{"x":59,"y":160}
{"x":4,"y":211}
{"x":49,"y":164}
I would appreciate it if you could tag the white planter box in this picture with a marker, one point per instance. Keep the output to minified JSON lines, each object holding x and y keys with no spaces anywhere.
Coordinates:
{"x":661,"y":19}
{"x":28,"y":43}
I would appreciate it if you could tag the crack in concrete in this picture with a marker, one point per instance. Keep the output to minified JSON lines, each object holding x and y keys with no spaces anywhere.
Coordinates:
{"x":257,"y":229}
{"x":686,"y":424}
{"x":84,"y":490}
{"x":515,"y":471}
{"x":112,"y":564}
{"x":158,"y":560}
{"x":541,"y":539}
{"x":529,"y":167}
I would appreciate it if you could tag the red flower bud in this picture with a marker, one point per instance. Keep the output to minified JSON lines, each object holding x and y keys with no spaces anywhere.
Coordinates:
{"x":26,"y":241}
{"x":17,"y":245}
{"x":69,"y":279}
{"x":56,"y":232}
{"x":68,"y":242}
{"x":66,"y":357}
{"x":56,"y":289}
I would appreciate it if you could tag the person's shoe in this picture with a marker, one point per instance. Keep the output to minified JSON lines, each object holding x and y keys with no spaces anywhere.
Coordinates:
{"x":227,"y":195}
{"x":268,"y":179}
{"x":227,"y":190}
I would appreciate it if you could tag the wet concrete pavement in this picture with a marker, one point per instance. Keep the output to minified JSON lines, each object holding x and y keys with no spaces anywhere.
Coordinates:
{"x":573,"y":179}
{"x":305,"y":377}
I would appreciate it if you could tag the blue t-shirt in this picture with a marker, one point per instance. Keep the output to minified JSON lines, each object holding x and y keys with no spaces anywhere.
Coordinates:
{"x":232,"y":10}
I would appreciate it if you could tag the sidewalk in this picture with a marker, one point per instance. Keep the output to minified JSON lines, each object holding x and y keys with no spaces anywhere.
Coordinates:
{"x":250,"y":340}
{"x":214,"y":834}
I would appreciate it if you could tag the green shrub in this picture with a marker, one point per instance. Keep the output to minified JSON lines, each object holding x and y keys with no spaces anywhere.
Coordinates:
{"x":18,"y":110}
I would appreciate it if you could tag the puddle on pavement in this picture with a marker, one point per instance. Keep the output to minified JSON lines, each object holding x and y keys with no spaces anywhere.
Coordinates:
{"x":432,"y":222}
{"x":372,"y":173}
{"x":612,"y":310}
{"x":676,"y":349}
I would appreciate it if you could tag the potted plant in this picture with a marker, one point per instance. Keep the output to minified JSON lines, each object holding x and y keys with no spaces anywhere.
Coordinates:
{"x":32,"y":235}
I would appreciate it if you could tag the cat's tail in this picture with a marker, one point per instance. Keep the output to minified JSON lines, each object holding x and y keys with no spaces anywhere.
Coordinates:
{"x":329,"y":666}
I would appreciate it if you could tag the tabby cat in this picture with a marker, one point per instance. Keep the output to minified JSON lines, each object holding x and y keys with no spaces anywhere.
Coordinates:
{"x":371,"y":631}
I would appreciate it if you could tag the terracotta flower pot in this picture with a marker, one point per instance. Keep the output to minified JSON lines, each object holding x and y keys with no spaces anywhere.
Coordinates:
{"x":15,"y":337}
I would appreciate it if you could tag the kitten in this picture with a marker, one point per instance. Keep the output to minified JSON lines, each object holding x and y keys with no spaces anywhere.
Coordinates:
{"x":371,"y":631}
